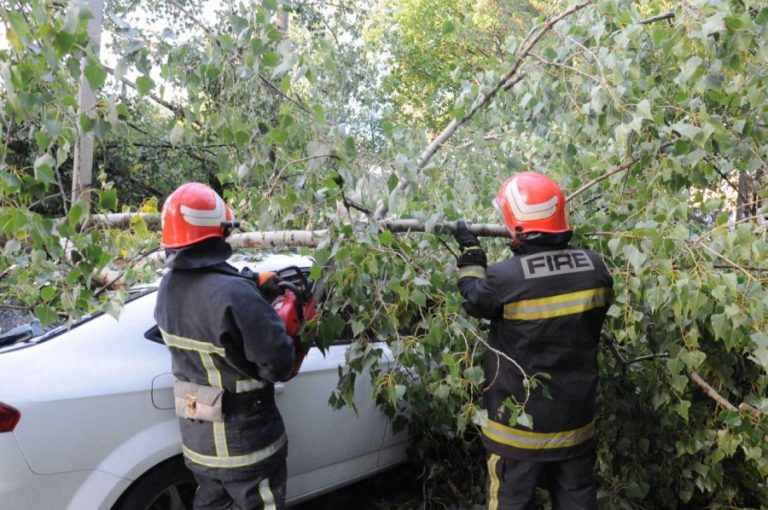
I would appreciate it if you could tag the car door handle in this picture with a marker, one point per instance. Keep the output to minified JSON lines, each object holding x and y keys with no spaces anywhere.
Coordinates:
{"x":279,"y":388}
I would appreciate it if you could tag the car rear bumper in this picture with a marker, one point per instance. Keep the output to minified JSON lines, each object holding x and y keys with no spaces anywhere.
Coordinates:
{"x":21,"y":489}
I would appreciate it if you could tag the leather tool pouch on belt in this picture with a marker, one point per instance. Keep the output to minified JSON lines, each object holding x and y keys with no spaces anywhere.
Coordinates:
{"x":198,"y":402}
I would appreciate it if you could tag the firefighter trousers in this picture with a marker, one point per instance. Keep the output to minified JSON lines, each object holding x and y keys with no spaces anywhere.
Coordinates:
{"x":571,"y":483}
{"x":265,"y":493}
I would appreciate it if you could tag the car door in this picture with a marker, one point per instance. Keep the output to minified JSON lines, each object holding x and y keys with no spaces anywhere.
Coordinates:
{"x":326,"y":446}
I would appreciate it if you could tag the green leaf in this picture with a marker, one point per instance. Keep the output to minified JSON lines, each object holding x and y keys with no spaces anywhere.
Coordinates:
{"x":270,"y":59}
{"x":734,"y":23}
{"x":693,"y":359}
{"x":760,"y":353}
{"x":525,"y":420}
{"x":279,"y":135}
{"x":349,"y":147}
{"x":418,"y":298}
{"x":242,"y":138}
{"x":108,"y":200}
{"x":475,"y":375}
{"x":95,"y":74}
{"x":357,"y":327}
{"x":318,"y":114}
{"x":76,"y":214}
{"x":643,"y":110}
{"x":714,"y":24}
{"x":682,"y":409}
{"x":637,"y":490}
{"x":43,"y":140}
{"x":46,"y":314}
{"x":392,"y":182}
{"x":63,"y":42}
{"x":44,"y":166}
{"x":47,"y":293}
{"x":613,"y":245}
{"x":687,"y":130}
{"x":636,"y":258}
{"x":144,"y":84}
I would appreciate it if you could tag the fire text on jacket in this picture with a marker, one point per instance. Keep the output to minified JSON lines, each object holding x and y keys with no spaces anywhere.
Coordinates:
{"x":550,"y":263}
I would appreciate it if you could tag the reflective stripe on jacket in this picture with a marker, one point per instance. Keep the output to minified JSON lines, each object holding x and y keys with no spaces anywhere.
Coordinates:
{"x":222,"y":333}
{"x":546,"y":309}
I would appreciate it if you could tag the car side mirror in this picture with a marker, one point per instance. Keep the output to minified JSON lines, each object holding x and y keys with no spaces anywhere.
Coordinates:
{"x":154,"y":334}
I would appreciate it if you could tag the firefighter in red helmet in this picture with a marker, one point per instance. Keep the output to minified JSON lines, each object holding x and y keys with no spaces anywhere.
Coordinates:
{"x":546,"y":307}
{"x":228,"y":347}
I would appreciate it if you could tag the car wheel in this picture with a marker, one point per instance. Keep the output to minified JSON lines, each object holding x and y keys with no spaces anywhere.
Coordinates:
{"x":168,"y":486}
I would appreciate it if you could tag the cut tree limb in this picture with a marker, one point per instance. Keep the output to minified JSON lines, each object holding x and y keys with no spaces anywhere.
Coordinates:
{"x":410,"y":225}
{"x":291,"y":238}
{"x":113,"y":278}
{"x":123,"y":220}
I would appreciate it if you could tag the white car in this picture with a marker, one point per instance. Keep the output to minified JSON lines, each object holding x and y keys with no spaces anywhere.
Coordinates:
{"x":87,"y":419}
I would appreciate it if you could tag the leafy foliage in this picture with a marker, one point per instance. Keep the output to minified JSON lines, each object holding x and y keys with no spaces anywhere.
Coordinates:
{"x":655,"y":122}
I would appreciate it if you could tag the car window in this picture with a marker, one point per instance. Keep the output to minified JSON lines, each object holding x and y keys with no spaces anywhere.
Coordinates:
{"x":32,"y":331}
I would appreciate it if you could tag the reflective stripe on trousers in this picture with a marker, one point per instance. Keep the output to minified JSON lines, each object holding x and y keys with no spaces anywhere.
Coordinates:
{"x":527,"y":440}
{"x":234,"y":461}
{"x":493,"y":482}
{"x":250,"y":493}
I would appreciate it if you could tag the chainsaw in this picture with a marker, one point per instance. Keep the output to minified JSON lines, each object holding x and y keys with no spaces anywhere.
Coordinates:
{"x":294,"y":306}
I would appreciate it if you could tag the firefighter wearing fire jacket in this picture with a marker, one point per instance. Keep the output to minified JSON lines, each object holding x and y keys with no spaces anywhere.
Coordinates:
{"x":546,"y":307}
{"x":228,"y":347}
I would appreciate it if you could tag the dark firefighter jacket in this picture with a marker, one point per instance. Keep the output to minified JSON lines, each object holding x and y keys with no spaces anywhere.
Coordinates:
{"x":222,"y":333}
{"x":546,"y":309}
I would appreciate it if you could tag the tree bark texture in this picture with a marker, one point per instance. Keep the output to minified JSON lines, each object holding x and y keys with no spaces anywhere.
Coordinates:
{"x":310,"y":238}
{"x":82,"y":173}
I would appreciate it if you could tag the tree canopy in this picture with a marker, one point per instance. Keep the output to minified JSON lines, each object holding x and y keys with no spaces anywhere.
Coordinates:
{"x":339,"y":116}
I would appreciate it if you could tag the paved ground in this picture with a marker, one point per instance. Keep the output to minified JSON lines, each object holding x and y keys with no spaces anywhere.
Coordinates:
{"x":395,"y":489}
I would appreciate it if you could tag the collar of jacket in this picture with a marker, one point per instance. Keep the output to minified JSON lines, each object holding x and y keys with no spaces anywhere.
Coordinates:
{"x":545,"y":242}
{"x":199,"y":255}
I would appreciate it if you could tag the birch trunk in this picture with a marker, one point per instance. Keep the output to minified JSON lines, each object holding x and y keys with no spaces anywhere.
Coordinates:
{"x":82,"y":172}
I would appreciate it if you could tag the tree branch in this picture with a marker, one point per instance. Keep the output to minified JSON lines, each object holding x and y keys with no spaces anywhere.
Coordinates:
{"x":658,"y":17}
{"x":351,"y":204}
{"x":648,"y":357}
{"x":722,"y":401}
{"x":613,"y":171}
{"x":283,"y":95}
{"x":565,"y":66}
{"x":177,"y":111}
{"x":710,"y":391}
{"x":624,"y":166}
{"x":123,"y":220}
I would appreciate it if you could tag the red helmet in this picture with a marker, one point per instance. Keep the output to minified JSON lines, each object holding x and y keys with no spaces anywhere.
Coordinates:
{"x":192,"y":213}
{"x":532,"y":202}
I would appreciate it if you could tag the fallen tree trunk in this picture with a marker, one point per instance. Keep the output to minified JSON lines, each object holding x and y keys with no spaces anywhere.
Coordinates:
{"x":310,"y":238}
{"x":113,"y":278}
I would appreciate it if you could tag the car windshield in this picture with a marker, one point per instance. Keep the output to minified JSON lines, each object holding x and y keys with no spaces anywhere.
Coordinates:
{"x":32,"y":331}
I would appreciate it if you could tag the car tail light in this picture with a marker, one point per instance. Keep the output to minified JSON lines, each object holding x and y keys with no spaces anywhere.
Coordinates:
{"x":9,"y":417}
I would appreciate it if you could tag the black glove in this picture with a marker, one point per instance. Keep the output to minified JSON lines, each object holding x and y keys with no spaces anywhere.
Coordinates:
{"x":471,"y":252}
{"x":269,"y":285}
{"x":464,"y":237}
